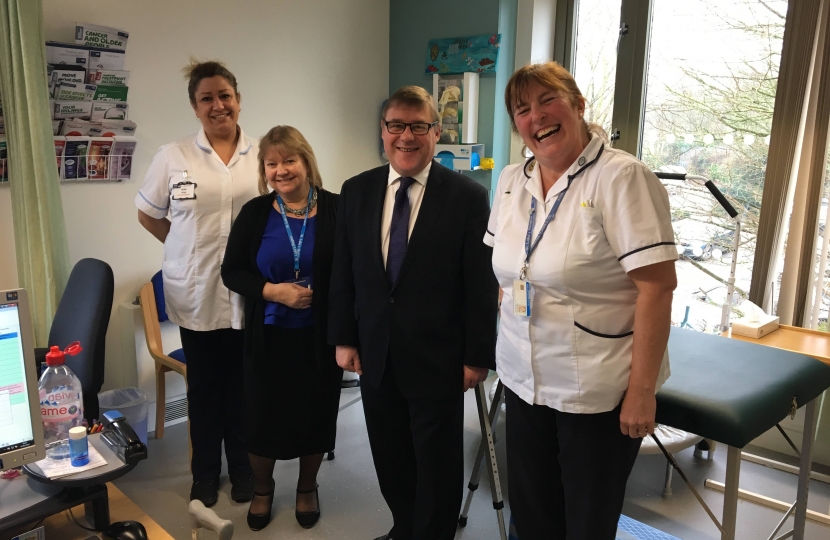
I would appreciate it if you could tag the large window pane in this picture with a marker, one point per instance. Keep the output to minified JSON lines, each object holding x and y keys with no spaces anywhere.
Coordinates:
{"x":595,"y":61}
{"x":712,"y":76}
{"x":820,"y":293}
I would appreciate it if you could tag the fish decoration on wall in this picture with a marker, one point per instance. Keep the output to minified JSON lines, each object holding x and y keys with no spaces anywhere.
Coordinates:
{"x":477,"y":54}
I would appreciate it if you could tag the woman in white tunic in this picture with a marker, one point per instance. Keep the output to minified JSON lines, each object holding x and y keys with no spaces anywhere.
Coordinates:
{"x":193,"y":190}
{"x":584,"y":253}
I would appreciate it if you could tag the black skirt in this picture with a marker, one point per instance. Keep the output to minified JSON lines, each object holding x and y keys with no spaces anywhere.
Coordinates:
{"x":292,"y":400}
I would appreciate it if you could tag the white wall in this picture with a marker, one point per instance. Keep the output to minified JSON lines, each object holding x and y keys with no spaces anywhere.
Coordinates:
{"x":319,"y":65}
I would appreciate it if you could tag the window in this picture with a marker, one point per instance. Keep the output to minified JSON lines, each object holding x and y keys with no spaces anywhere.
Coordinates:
{"x":595,"y":64}
{"x":690,"y":87}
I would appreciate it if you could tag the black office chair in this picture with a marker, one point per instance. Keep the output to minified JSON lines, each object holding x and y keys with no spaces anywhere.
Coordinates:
{"x":83,"y":315}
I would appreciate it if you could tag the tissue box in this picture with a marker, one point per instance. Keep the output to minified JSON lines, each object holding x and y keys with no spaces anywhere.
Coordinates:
{"x":756,"y":330}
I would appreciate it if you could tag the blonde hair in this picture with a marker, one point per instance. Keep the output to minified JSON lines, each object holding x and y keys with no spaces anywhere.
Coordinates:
{"x":288,"y":141}
{"x":550,"y":75}
{"x":195,"y":71}
{"x":414,"y":97}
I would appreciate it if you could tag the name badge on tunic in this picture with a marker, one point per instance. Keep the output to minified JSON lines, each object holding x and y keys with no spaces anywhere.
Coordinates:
{"x":521,"y":298}
{"x":183,"y":190}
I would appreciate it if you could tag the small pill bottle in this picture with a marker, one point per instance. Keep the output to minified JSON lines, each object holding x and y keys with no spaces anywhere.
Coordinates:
{"x":78,"y":446}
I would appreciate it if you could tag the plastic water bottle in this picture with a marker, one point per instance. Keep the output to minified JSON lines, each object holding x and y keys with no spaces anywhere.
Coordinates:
{"x":61,"y":401}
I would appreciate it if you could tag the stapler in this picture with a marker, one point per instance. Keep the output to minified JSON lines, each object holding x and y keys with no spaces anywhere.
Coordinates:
{"x":121,"y":438}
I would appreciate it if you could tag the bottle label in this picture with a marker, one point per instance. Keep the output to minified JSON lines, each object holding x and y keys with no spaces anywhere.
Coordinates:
{"x":59,"y":406}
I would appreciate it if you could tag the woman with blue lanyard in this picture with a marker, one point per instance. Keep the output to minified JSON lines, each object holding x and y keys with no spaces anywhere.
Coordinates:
{"x":279,"y":259}
{"x":584,"y":252}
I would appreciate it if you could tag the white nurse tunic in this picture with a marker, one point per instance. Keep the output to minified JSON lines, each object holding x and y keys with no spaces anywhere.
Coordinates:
{"x":195,"y":296}
{"x":574,"y":353}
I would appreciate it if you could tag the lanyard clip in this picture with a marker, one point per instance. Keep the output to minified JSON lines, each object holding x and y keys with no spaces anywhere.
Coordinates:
{"x":523,"y":273}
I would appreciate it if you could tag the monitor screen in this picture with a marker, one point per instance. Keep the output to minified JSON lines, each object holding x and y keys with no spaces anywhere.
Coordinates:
{"x":21,"y":428}
{"x":16,"y":426}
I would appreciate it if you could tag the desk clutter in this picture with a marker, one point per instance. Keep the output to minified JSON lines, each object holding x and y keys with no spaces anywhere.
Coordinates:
{"x":58,"y":468}
{"x":88,"y":90}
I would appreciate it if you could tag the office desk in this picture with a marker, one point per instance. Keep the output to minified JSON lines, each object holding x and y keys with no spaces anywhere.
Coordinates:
{"x":732,"y":391}
{"x":32,"y":497}
{"x":810,"y":343}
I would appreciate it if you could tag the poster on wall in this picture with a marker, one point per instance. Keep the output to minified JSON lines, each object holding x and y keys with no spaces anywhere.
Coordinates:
{"x":464,"y":54}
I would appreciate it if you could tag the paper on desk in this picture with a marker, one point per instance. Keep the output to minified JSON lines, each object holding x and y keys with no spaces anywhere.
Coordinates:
{"x":58,"y":468}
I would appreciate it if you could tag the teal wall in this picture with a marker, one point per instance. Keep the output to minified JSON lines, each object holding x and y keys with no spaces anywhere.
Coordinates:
{"x":413,"y":23}
{"x":504,"y":69}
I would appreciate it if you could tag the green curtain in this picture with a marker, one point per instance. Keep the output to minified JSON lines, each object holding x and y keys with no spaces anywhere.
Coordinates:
{"x":37,"y":212}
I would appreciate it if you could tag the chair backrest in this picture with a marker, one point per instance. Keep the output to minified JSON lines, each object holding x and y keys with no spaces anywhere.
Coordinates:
{"x":83,"y":315}
{"x":150,"y":319}
{"x":158,"y":292}
{"x":152,"y":315}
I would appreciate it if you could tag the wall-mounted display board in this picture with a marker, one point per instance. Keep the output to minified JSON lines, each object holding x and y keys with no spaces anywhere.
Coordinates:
{"x":476,"y":54}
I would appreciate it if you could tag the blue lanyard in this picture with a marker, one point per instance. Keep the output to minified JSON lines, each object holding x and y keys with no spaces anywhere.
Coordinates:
{"x":528,"y":247}
{"x":296,"y":248}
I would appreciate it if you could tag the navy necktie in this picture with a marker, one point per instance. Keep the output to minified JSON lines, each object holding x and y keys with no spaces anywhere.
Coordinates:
{"x":399,"y":230}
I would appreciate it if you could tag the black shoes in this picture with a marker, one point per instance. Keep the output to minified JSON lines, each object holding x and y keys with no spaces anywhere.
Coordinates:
{"x":205,"y":491}
{"x":242,"y":488}
{"x":257,"y":522}
{"x":307,"y":520}
{"x":384,"y":537}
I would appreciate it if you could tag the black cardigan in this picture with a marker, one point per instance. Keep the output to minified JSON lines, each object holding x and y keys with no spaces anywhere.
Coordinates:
{"x":241,"y":274}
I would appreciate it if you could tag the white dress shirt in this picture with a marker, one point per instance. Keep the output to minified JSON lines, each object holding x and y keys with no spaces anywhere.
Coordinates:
{"x":574,"y":352}
{"x":195,"y":296}
{"x":416,"y":195}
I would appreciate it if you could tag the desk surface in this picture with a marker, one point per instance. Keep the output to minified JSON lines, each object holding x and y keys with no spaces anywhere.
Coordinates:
{"x":811,"y":343}
{"x":114,"y":468}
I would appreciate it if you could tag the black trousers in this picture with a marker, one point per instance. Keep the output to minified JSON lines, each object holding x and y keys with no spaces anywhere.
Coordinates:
{"x":417,"y":447}
{"x":567,"y":472}
{"x":215,"y":403}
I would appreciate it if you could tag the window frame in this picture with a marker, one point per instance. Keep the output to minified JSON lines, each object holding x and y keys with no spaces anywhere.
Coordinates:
{"x":628,"y":115}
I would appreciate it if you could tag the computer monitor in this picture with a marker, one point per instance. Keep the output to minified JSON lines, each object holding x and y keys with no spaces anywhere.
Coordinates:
{"x":21,"y":428}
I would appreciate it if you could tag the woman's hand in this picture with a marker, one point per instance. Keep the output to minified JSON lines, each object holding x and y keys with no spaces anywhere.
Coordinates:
{"x":637,"y":414}
{"x":289,"y":294}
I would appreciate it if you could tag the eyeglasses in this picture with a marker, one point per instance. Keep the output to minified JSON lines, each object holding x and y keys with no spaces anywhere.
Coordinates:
{"x":417,"y":128}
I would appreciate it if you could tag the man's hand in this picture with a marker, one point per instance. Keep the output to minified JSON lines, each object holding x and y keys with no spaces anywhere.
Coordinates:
{"x":473,"y":376}
{"x":637,"y":414}
{"x":348,"y":359}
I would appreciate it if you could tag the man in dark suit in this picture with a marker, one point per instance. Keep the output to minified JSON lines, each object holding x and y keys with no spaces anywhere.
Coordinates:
{"x":413,"y":307}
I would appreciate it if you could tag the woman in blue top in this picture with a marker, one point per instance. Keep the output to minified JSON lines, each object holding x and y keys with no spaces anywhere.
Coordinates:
{"x":279,"y":257}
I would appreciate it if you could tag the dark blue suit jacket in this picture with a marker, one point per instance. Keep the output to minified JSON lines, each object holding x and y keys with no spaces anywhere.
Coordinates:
{"x":442,"y":312}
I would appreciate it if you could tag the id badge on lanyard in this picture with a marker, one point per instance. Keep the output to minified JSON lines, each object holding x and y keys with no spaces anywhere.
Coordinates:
{"x":297,"y":247}
{"x":522,"y":288}
{"x":521,"y":298}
